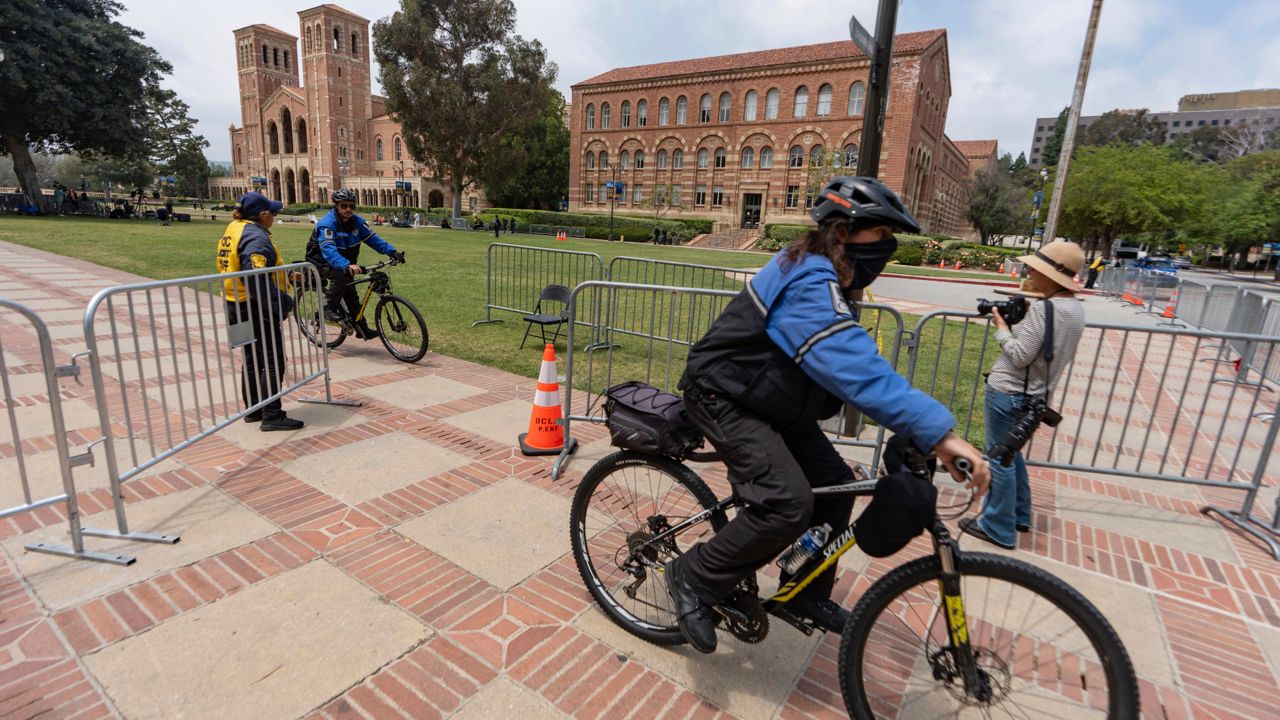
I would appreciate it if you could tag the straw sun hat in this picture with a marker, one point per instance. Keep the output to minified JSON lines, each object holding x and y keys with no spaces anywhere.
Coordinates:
{"x":1060,"y":261}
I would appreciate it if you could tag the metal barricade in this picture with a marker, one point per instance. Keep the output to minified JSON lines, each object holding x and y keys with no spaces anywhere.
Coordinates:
{"x":516,"y":275}
{"x":179,"y":363}
{"x":1134,"y":403}
{"x":17,"y":451}
{"x":623,"y":316}
{"x":1192,"y":301}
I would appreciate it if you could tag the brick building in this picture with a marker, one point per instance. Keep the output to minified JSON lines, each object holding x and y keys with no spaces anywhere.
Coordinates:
{"x":741,"y":138}
{"x":310,"y":133}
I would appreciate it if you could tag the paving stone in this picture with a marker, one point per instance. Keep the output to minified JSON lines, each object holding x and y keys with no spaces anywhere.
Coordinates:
{"x":45,"y":478}
{"x":749,"y":681}
{"x":12,"y":361}
{"x":421,"y":392}
{"x":27,"y":383}
{"x":501,"y":423}
{"x":364,"y":360}
{"x":372,"y":468}
{"x":505,"y":699}
{"x":1269,"y":640}
{"x":278,"y":649}
{"x":1191,"y":533}
{"x":502,"y":534}
{"x":37,"y":420}
{"x":319,"y":418}
{"x":208,"y":521}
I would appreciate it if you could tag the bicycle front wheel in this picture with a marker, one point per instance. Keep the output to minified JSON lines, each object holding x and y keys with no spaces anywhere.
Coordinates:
{"x":1041,"y":649}
{"x":404,"y":332}
{"x":622,"y":504}
{"x":311,"y":321}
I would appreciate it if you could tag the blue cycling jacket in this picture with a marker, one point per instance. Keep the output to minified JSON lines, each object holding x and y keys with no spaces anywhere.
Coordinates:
{"x":340,"y":246}
{"x":790,"y":341}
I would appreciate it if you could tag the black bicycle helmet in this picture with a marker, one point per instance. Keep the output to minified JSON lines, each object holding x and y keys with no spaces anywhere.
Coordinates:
{"x":866,"y":200}
{"x":344,"y":195}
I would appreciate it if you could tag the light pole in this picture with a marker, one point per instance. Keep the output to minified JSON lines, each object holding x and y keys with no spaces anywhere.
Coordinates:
{"x":613,"y":196}
{"x":343,"y":166}
{"x":1035,"y":213}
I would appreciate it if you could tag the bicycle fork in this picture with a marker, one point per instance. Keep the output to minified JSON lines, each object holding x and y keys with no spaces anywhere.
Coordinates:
{"x":976,"y":684}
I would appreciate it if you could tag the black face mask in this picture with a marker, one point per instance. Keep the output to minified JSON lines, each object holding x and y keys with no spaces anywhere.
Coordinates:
{"x":868,"y":260}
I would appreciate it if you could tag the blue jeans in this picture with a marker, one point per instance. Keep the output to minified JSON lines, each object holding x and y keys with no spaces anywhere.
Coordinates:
{"x":1008,"y":502}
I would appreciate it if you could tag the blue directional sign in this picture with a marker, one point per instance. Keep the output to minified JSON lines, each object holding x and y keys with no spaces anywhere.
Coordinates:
{"x":609,"y":184}
{"x":1039,"y":197}
{"x":1039,"y":231}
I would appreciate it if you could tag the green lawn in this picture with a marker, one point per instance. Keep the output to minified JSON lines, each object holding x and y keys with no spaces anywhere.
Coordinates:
{"x":921,"y":271}
{"x":445,"y":276}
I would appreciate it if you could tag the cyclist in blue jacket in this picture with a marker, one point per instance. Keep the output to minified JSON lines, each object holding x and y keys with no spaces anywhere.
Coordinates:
{"x":785,"y":353}
{"x":334,"y":248}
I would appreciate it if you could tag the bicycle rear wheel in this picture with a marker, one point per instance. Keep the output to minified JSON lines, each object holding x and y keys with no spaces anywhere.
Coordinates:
{"x":622,"y":503}
{"x":309,"y":315}
{"x":404,"y":332}
{"x":1042,"y":648}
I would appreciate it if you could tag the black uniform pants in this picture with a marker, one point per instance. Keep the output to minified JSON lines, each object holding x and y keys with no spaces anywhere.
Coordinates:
{"x":773,"y":472}
{"x":263,"y":358}
{"x":340,"y":292}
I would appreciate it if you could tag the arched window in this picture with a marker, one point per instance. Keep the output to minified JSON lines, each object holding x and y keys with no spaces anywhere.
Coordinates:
{"x":664,"y":110}
{"x":273,"y":138}
{"x":703,"y":157}
{"x":624,"y":160}
{"x":801,"y":106}
{"x":704,"y":108}
{"x":626,"y":113}
{"x":662,"y":159}
{"x":306,"y":39}
{"x":355,"y":45}
{"x":604,"y":116}
{"x":591,"y":117}
{"x":682,"y":109}
{"x":266,"y":55}
{"x":377,"y":145}
{"x":771,"y":101}
{"x":337,"y":38}
{"x":642,"y":113}
{"x":591,"y":161}
{"x":302,"y":135}
{"x":748,"y":158}
{"x":239,"y":155}
{"x":720,"y":157}
{"x":824,"y":101}
{"x":275,"y":57}
{"x":850,"y":159}
{"x":287,"y":66}
{"x":817,"y":156}
{"x":677,"y":159}
{"x":396,"y":145}
{"x":604,"y":159}
{"x":723,"y":114}
{"x":766,"y":158}
{"x":749,"y":106}
{"x":797,"y":157}
{"x":639,"y":159}
{"x":286,"y":129}
{"x":857,"y":96}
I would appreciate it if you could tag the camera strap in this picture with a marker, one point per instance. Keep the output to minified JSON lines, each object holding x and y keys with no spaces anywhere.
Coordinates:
{"x":1046,"y":350}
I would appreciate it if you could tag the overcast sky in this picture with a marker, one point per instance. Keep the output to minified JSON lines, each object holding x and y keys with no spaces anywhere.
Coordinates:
{"x":1011,"y":60}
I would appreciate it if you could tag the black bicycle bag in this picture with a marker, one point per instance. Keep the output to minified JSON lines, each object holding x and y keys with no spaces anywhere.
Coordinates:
{"x":645,"y":419}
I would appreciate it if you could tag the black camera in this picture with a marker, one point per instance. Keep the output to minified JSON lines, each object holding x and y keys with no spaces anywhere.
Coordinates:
{"x":1012,"y":310}
{"x":1036,"y":412}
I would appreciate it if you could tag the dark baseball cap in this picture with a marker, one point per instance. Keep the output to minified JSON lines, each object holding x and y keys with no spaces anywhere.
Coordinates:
{"x":252,"y":203}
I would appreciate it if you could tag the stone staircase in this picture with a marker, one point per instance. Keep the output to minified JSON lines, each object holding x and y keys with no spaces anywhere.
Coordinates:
{"x":732,"y":239}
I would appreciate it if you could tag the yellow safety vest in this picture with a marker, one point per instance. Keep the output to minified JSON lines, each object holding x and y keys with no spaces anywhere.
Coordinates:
{"x":233,"y":289}
{"x":1097,"y":265}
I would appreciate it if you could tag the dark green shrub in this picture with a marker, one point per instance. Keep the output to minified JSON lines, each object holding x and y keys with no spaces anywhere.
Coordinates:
{"x":908,"y":256}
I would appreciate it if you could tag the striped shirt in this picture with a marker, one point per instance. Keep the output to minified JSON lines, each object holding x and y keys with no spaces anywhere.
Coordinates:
{"x":1021,"y":360}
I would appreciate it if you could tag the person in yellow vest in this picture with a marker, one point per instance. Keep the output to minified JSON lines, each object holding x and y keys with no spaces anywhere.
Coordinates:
{"x":261,"y":299}
{"x":1095,"y":268}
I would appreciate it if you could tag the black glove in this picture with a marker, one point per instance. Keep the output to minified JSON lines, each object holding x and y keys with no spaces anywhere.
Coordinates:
{"x":397,"y":257}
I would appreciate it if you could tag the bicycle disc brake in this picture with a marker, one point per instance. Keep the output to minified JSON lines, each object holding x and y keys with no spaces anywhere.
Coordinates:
{"x":993,"y":676}
{"x":744,"y":617}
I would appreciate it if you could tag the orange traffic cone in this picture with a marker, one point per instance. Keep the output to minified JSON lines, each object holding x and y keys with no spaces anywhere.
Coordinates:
{"x":1013,"y":274}
{"x":942,"y":264}
{"x":546,"y":434}
{"x":957,"y":264}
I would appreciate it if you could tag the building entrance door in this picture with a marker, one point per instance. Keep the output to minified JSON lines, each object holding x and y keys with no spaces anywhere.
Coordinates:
{"x":751,"y":203}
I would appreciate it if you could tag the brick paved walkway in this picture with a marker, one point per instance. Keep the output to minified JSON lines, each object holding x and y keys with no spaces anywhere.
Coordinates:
{"x":402,"y":560}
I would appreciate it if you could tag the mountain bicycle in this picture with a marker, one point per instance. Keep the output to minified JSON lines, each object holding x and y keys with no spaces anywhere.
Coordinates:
{"x":402,"y":329}
{"x":949,"y":634}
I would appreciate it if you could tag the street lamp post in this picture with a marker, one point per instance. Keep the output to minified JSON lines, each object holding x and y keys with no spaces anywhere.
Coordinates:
{"x":613,"y":196}
{"x":1035,"y":214}
{"x":344,"y":165}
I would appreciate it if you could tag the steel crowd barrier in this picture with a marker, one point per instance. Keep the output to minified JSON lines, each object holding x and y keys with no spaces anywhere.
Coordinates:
{"x":170,"y":369}
{"x":17,"y":452}
{"x":516,"y":274}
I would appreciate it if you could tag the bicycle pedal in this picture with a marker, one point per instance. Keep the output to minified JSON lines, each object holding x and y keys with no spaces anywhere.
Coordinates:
{"x":803,"y":624}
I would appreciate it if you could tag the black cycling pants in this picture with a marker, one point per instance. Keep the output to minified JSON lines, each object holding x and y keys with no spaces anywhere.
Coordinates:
{"x":339,"y":291}
{"x":773,"y":472}
{"x":263,"y":358}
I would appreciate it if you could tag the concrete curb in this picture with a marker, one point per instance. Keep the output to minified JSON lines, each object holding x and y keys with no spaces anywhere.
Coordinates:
{"x":970,"y":281}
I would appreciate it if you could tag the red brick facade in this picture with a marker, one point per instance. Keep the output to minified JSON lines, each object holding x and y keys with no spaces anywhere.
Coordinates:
{"x":820,"y":103}
{"x":308,"y":138}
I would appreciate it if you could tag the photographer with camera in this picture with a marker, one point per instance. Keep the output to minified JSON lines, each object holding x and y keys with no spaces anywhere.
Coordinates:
{"x":1022,"y":382}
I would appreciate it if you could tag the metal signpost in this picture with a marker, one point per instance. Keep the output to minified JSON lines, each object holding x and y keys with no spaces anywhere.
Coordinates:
{"x":880,"y":50}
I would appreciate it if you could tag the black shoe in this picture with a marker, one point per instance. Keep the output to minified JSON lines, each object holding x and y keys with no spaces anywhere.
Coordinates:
{"x":332,"y":315}
{"x":825,"y":613}
{"x":695,"y":617}
{"x":253,"y":417}
{"x":284,"y":422}
{"x":970,"y":526}
{"x":364,"y":332}
{"x":1022,"y":528}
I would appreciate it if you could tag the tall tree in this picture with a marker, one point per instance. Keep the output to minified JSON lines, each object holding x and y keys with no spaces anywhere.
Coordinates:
{"x":77,"y":81}
{"x":532,"y":167}
{"x":458,"y":80}
{"x":1053,"y":146}
{"x":1125,"y":127}
{"x":997,"y":206}
{"x":173,"y":145}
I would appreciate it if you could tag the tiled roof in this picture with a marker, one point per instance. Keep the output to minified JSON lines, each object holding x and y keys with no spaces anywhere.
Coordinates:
{"x":976,"y":148}
{"x":823,"y":52}
{"x":265,"y":26}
